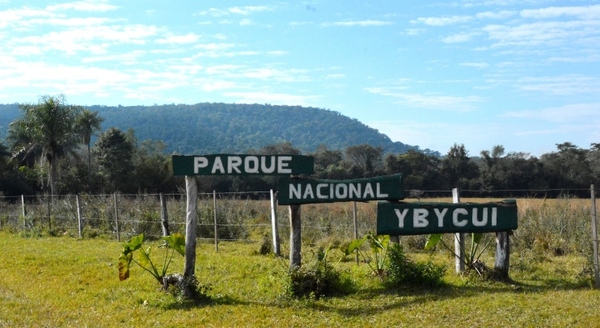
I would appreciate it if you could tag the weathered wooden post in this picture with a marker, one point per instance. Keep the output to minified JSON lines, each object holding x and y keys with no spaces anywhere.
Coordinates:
{"x":459,"y":240}
{"x":117,"y":217}
{"x":23,"y":211}
{"x":79,"y":218}
{"x":164,"y":216}
{"x":295,"y":237}
{"x":355,"y":220}
{"x":191,"y":223}
{"x":216,"y":231}
{"x":502,"y":259}
{"x":274,"y":228}
{"x":595,"y":238}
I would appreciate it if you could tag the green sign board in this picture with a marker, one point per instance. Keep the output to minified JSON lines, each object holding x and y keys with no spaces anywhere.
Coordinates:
{"x":304,"y":191}
{"x":430,"y":218}
{"x":228,"y":164}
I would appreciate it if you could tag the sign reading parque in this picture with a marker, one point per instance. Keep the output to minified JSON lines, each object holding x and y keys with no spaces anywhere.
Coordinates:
{"x":304,"y":191}
{"x":229,"y":164}
{"x":432,"y":218}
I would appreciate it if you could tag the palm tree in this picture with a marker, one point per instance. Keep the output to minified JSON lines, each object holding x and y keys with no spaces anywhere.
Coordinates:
{"x":87,"y":124}
{"x":48,"y":130}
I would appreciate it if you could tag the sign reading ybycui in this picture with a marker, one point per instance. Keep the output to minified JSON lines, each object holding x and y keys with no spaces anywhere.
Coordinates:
{"x":431,"y":218}
{"x":228,"y":164}
{"x":304,"y":191}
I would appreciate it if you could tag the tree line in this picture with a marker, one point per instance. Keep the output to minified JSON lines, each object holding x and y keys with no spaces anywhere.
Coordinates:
{"x":49,"y":150}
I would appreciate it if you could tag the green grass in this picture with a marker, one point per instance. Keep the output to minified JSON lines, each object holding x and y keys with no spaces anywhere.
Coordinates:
{"x":64,"y":282}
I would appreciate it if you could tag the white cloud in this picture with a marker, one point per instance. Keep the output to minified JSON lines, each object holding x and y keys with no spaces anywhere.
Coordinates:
{"x":560,"y":85}
{"x":246,"y":22}
{"x":443,"y":21}
{"x":460,"y":37}
{"x":179,"y":39}
{"x":429,"y":100}
{"x":95,"y":6}
{"x":359,"y":23}
{"x":246,"y":10}
{"x":583,"y":12}
{"x":543,"y":33}
{"x":260,"y":97}
{"x":475,"y":64}
{"x":589,"y":112}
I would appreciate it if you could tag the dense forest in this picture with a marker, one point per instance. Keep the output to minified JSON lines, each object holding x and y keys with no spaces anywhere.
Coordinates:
{"x":53,"y":147}
{"x":210,"y":128}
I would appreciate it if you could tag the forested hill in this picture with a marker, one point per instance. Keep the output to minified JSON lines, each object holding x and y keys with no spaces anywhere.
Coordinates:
{"x":235,"y":128}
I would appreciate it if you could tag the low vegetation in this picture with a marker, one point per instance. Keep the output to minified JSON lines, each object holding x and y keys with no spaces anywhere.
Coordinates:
{"x":65,"y":281}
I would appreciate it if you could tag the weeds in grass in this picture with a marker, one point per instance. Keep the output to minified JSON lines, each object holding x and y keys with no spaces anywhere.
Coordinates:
{"x":317,"y":279}
{"x":173,"y":243}
{"x":402,"y":272}
{"x":376,"y":259}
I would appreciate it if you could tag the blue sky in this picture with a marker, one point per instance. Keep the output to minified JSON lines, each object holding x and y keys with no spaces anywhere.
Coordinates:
{"x":523,"y":74}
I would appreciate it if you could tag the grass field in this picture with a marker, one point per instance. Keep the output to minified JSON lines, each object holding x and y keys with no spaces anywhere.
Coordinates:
{"x":69,"y":282}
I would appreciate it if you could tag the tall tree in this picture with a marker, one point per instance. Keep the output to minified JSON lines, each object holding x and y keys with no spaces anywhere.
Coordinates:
{"x":364,"y":158}
{"x":49,"y":128}
{"x":458,"y":169}
{"x":114,"y":153}
{"x":88,"y":124}
{"x":419,"y":171}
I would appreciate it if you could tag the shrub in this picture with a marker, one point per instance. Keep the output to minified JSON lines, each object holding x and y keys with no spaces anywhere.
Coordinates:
{"x":402,"y":271}
{"x":316,"y":279}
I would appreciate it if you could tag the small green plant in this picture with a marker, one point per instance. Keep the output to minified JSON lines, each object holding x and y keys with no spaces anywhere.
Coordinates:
{"x":173,"y":243}
{"x":401,"y":271}
{"x":472,"y":254}
{"x":378,"y":245}
{"x":316,"y":279}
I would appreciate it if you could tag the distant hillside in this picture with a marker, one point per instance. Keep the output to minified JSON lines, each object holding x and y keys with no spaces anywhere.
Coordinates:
{"x":221,"y":128}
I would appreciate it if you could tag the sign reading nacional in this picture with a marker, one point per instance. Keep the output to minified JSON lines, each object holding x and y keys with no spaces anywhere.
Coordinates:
{"x":228,"y":164}
{"x":304,"y":191}
{"x":432,"y":218}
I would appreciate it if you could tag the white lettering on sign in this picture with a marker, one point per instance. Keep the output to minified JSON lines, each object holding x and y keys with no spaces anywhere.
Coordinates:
{"x":200,"y":163}
{"x":455,"y":220}
{"x":401,"y":216}
{"x":218,"y":165}
{"x":320,"y":194}
{"x":283,"y":163}
{"x":239,"y":165}
{"x":440,"y":216}
{"x":232,"y":164}
{"x":251,"y":164}
{"x":263,"y":165}
{"x":459,"y":218}
{"x":336,"y":191}
{"x":420,"y":218}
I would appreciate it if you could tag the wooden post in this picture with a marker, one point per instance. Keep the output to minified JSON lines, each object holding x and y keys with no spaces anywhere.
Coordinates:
{"x":23,"y":211}
{"x":49,"y":208}
{"x":274,"y":228}
{"x":215,"y":220}
{"x":355,"y":220}
{"x":295,"y":237}
{"x":117,"y":217}
{"x":164,"y":216}
{"x":79,"y":218}
{"x":502,"y":259}
{"x":595,"y":238}
{"x":459,"y":240}
{"x":191,"y":223}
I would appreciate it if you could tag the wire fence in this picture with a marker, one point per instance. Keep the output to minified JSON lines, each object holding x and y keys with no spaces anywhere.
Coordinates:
{"x":558,"y":225}
{"x":240,"y":216}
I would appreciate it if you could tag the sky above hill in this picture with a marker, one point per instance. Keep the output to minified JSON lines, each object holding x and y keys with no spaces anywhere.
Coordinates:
{"x":524,"y":74}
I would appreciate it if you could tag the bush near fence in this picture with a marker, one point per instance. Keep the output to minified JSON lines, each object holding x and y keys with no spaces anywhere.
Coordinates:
{"x":546,"y":226}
